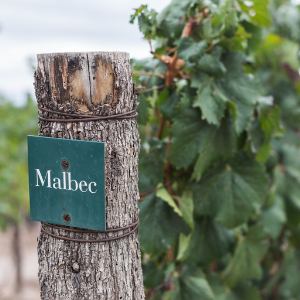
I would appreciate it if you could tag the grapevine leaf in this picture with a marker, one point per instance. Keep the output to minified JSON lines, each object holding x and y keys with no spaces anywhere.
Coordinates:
{"x":168,"y":106}
{"x":208,"y":241}
{"x":263,"y":130}
{"x":232,"y":192}
{"x":271,"y":126}
{"x":239,"y":89}
{"x":146,"y":19}
{"x":288,"y":187}
{"x":207,"y":29}
{"x":138,"y":11}
{"x":152,"y":274}
{"x":168,"y":25}
{"x":211,"y":65}
{"x":255,"y":39}
{"x":212,"y":103}
{"x":219,"y":17}
{"x":291,"y":161}
{"x":163,"y":194}
{"x":159,"y":225}
{"x":258,"y":12}
{"x":245,"y":264}
{"x":231,"y":24}
{"x":270,"y":123}
{"x":216,"y":144}
{"x":191,"y":136}
{"x":151,"y":165}
{"x":274,"y":217}
{"x":183,"y":244}
{"x":190,"y":285}
{"x":143,"y":110}
{"x":291,"y":268}
{"x":244,"y":290}
{"x":186,"y":205}
{"x":186,"y":137}
{"x":190,"y":50}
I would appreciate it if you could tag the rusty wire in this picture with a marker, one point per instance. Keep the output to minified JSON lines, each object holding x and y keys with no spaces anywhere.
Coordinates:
{"x":85,"y":118}
{"x":134,"y":225}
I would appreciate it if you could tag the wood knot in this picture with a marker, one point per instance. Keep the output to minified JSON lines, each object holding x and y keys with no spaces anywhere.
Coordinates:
{"x":75,"y":267}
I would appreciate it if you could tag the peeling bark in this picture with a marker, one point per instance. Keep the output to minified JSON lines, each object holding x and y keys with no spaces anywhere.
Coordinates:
{"x":95,"y":84}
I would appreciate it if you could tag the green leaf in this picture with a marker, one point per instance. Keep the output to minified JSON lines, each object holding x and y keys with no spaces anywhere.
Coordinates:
{"x":186,"y":137}
{"x":212,"y":103}
{"x":239,"y":42}
{"x":244,"y":290}
{"x":288,"y":187}
{"x":211,"y":65}
{"x":271,"y":123}
{"x":208,"y":242}
{"x":190,"y":50}
{"x":168,"y":25}
{"x":186,"y":205}
{"x":263,"y":130}
{"x":190,"y":285}
{"x":151,"y":165}
{"x":138,"y":11}
{"x":290,"y":159}
{"x":291,"y":267}
{"x":245,"y":264}
{"x":207,"y":29}
{"x":153,"y":275}
{"x":183,"y":244}
{"x":216,"y":144}
{"x":192,"y":135}
{"x":146,"y":19}
{"x":231,"y":193}
{"x":168,"y":106}
{"x":231,"y":24}
{"x":274,"y":217}
{"x":239,"y":88}
{"x":163,"y":194}
{"x":255,"y":39}
{"x":159,"y":225}
{"x":258,"y":11}
{"x":143,"y":110}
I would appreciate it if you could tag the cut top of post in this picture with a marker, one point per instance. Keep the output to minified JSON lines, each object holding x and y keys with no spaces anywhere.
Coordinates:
{"x":85,"y":81}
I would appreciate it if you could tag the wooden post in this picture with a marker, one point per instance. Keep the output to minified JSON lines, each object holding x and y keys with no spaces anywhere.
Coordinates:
{"x":97,"y":83}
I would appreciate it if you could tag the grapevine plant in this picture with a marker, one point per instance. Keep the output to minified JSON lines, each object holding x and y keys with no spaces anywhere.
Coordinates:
{"x":219,"y":167}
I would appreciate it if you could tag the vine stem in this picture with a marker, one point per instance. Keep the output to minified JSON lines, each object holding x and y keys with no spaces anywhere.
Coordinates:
{"x":161,"y":127}
{"x":148,"y":74}
{"x":150,"y":90}
{"x":168,"y":170}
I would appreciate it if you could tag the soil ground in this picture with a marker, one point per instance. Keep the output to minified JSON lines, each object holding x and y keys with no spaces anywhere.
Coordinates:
{"x":30,"y":289}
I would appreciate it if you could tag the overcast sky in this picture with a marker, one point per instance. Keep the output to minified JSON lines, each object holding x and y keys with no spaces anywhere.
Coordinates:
{"x":29,"y":27}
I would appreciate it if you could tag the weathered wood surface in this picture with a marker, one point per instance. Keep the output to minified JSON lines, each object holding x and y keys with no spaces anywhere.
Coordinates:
{"x":97,"y":83}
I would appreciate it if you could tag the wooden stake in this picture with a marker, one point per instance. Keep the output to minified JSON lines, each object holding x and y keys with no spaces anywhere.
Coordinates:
{"x":97,"y":83}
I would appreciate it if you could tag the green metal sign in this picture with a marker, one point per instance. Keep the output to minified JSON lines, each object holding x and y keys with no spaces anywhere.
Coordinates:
{"x":66,"y":182}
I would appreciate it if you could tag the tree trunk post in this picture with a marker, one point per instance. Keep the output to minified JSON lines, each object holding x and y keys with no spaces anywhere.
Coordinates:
{"x":93,"y":83}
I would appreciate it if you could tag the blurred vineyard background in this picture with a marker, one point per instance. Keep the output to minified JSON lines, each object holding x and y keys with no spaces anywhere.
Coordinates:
{"x":18,"y":261}
{"x":15,"y":124}
{"x":26,"y":29}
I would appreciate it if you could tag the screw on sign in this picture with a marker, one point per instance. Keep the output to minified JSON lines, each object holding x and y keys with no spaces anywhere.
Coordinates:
{"x":85,"y":100}
{"x":65,"y":164}
{"x":67,"y":218}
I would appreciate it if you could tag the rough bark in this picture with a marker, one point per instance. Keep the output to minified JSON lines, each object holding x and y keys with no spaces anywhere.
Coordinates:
{"x":96,"y":84}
